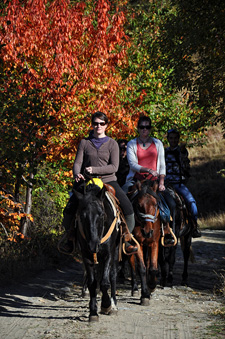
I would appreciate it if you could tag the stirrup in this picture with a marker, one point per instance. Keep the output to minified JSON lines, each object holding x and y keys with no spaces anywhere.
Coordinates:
{"x":60,"y":245}
{"x":137,"y":243}
{"x":174,"y":237}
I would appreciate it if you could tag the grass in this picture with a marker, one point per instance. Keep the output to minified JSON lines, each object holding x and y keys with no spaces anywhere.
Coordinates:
{"x":207,"y":182}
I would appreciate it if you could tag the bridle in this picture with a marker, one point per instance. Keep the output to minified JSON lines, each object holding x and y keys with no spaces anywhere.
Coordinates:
{"x":150,"y":217}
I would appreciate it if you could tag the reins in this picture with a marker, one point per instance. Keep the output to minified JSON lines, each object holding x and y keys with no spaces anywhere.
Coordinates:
{"x":107,"y":235}
{"x":111,"y":228}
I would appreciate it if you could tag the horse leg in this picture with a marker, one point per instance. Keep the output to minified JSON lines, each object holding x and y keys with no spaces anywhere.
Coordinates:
{"x":171,"y":261}
{"x":163,"y":265}
{"x":92,"y":287}
{"x":186,"y":254}
{"x":145,"y":296}
{"x":85,"y":284}
{"x":104,"y":286}
{"x":134,"y":285}
{"x":121,"y":271}
{"x":153,"y":265}
{"x":113,"y":278}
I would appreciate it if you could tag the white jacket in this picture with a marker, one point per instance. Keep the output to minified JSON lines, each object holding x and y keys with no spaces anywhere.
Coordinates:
{"x":133,"y":160}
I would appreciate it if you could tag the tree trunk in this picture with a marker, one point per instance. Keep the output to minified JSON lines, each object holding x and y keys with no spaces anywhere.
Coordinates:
{"x":26,"y":221}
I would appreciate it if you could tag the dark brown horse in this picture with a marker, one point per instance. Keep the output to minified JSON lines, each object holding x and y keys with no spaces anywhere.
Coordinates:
{"x":98,"y":238}
{"x":167,"y":255}
{"x":147,"y":231}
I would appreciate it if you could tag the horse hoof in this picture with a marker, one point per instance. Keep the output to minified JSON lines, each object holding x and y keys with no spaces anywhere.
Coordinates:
{"x":135,"y":293}
{"x":114,"y":311}
{"x":152,"y":289}
{"x":145,"y":302}
{"x":106,"y":310}
{"x":170,"y":281}
{"x":93,"y":318}
{"x":84,"y":294}
{"x":163,"y":283}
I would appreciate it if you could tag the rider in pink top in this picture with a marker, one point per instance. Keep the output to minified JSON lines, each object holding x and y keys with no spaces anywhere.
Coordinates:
{"x":146,"y":158}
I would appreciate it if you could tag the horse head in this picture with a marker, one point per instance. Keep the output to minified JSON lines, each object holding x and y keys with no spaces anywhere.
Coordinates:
{"x":146,"y":207}
{"x":91,"y":215}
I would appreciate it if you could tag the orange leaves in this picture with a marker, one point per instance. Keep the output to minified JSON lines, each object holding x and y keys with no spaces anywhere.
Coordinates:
{"x":68,"y":56}
{"x":11,"y":213}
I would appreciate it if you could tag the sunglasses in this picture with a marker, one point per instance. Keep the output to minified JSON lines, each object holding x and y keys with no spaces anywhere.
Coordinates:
{"x":99,"y":123}
{"x":145,"y":127}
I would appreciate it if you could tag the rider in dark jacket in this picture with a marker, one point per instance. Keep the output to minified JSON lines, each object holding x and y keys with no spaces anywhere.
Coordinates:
{"x":177,"y":173}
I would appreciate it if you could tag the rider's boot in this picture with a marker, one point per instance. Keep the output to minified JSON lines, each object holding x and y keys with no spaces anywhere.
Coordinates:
{"x":196,"y":233}
{"x":168,"y":238}
{"x":67,"y":246}
{"x":126,"y":232}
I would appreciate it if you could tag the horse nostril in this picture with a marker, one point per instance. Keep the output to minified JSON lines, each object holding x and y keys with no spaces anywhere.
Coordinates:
{"x":147,"y":235}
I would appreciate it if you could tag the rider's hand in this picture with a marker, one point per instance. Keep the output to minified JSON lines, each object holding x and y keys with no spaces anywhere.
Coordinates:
{"x":79,"y":177}
{"x":88,"y":170}
{"x":154,"y":173}
{"x":161,"y":187}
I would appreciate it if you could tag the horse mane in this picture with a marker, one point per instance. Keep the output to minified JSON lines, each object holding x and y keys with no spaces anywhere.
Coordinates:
{"x":147,"y":188}
{"x":90,"y":194}
{"x":92,"y":189}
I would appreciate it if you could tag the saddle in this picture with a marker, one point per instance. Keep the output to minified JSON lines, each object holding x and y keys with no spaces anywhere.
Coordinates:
{"x":110,"y":189}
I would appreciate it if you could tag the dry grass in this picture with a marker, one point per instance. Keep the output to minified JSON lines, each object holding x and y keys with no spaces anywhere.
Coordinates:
{"x":213,"y":149}
{"x":219,"y":289}
{"x":207,"y":182}
{"x":216,"y":221}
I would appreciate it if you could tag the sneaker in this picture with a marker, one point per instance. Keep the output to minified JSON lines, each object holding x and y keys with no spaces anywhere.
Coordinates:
{"x":169,"y":239}
{"x":130,"y":249}
{"x":196,"y":233}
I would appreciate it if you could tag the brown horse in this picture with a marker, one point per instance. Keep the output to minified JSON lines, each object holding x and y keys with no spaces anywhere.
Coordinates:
{"x":147,"y":231}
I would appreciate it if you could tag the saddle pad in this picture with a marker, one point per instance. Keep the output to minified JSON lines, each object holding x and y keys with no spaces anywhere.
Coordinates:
{"x":113,"y":204}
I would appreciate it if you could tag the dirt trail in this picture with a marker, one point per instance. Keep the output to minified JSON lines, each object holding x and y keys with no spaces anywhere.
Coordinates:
{"x":50,"y":305}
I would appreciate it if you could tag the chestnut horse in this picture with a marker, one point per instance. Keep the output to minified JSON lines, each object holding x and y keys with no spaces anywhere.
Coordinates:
{"x":147,"y":231}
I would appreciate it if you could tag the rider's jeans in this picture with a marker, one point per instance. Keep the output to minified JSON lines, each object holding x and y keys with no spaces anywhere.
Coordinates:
{"x":188,"y":198}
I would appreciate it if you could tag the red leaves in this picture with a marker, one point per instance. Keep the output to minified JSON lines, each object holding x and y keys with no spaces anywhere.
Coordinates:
{"x":69,"y":58}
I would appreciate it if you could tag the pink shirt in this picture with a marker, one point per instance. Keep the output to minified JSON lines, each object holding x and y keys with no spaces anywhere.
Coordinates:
{"x":146,"y":158}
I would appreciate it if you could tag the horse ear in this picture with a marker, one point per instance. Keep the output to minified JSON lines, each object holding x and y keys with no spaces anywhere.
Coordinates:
{"x":78,"y":194}
{"x":155,"y":186}
{"x":101,"y":194}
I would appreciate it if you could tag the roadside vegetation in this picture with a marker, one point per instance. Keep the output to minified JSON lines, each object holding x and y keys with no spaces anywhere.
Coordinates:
{"x":207,"y":182}
{"x":125,"y":58}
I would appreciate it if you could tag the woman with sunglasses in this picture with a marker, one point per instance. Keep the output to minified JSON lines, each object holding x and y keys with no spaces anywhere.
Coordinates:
{"x":145,"y":155}
{"x":98,"y":155}
{"x":146,"y":159}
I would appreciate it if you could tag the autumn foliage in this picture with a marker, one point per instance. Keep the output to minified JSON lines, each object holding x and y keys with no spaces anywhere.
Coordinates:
{"x":62,"y":60}
{"x":67,"y":58}
{"x":58,"y":64}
